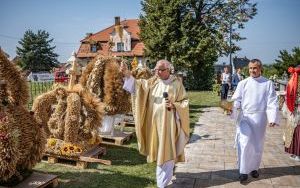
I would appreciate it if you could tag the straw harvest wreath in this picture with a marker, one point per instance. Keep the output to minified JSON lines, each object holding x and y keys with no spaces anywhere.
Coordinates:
{"x":22,"y":139}
{"x":103,"y":78}
{"x":73,"y":118}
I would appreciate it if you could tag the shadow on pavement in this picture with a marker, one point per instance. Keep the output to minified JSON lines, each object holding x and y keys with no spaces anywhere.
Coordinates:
{"x":217,"y":178}
{"x":196,"y":137}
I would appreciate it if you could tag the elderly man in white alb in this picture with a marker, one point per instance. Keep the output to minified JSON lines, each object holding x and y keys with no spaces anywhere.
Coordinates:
{"x":255,"y":104}
{"x":161,"y":118}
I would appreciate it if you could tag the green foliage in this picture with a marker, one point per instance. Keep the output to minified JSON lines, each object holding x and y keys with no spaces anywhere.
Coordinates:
{"x":269,"y":71}
{"x":36,"y":53}
{"x":245,"y":71}
{"x":287,"y":60}
{"x":216,"y":89}
{"x":193,"y":33}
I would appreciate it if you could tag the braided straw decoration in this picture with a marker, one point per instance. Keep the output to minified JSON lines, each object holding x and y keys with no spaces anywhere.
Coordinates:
{"x":116,"y":99}
{"x":95,"y":81}
{"x":9,"y":153}
{"x":22,"y":139}
{"x":42,"y":106}
{"x":17,"y":85}
{"x":92,"y":118}
{"x":56,"y":122}
{"x":103,"y":78}
{"x":72,"y":118}
{"x":76,"y":118}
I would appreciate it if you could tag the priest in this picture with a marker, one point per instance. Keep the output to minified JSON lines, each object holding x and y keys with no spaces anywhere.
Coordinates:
{"x":162,"y":118}
{"x":255,"y":104}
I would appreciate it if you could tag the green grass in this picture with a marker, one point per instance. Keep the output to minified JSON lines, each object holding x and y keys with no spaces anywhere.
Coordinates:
{"x":199,"y":100}
{"x":129,"y":168}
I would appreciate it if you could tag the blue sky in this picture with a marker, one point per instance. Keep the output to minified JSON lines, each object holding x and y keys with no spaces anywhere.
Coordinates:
{"x":274,"y":28}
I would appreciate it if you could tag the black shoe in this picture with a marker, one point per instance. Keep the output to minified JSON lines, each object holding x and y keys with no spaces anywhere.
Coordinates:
{"x":254,"y":174}
{"x":243,"y":178}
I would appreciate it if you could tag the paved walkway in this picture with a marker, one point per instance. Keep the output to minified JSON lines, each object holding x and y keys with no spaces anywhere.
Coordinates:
{"x":211,"y":158}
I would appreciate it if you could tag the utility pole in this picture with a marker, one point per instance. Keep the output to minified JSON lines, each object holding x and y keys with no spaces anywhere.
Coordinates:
{"x":230,"y":50}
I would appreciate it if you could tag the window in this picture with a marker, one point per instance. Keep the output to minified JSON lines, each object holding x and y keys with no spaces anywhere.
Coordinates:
{"x":93,"y":48}
{"x":120,"y":46}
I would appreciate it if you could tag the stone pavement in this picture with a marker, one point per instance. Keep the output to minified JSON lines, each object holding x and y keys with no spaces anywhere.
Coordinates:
{"x":211,"y":158}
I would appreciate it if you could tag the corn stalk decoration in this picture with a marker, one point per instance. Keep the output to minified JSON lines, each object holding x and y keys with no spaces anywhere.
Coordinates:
{"x":22,"y":138}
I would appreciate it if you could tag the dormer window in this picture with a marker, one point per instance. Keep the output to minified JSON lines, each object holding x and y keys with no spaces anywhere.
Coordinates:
{"x":120,"y":46}
{"x":93,"y":48}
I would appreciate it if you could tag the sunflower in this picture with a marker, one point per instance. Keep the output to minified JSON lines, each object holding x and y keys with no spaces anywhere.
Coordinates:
{"x":71,"y":148}
{"x":65,"y":150}
{"x":51,"y":142}
{"x":78,"y":149}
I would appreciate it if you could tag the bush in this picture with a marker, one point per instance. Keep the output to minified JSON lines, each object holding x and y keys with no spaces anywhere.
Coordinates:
{"x":216,"y":88}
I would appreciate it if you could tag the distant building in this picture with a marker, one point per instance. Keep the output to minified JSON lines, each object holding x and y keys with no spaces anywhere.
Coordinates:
{"x":240,"y":62}
{"x":121,"y":40}
{"x":218,"y":68}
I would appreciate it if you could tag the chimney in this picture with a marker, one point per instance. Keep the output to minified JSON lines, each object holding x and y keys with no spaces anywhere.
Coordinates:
{"x":117,"y":20}
{"x":88,"y":34}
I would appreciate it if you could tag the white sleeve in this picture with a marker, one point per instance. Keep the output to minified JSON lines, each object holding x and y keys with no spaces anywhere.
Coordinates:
{"x":237,"y":98}
{"x":129,"y":84}
{"x":272,"y":106}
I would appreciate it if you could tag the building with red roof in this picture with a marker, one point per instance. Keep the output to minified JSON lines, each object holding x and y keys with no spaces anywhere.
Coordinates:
{"x":121,"y":40}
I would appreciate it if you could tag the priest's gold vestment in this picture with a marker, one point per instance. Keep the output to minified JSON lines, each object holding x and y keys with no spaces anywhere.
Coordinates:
{"x":161,"y":134}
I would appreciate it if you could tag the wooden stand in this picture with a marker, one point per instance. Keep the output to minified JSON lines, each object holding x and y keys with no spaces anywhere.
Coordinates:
{"x":129,"y":124}
{"x":90,"y":156}
{"x":128,"y":121}
{"x":38,"y":180}
{"x":118,"y":138}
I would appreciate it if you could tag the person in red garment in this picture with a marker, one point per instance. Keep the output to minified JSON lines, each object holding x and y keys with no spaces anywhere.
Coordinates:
{"x":292,"y":132}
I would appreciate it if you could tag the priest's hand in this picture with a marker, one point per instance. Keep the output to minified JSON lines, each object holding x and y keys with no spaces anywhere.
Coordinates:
{"x":272,"y":124}
{"x":169,"y":104}
{"x":124,"y":69}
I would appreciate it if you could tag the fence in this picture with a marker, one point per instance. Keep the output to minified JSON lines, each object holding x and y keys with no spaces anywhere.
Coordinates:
{"x":38,"y":88}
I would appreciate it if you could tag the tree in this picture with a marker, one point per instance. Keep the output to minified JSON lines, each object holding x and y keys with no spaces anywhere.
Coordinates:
{"x":193,"y":33}
{"x":36,"y":53}
{"x":269,"y":71}
{"x":287,"y":60}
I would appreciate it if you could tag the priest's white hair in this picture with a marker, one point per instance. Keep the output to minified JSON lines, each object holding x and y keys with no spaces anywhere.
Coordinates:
{"x":167,"y":65}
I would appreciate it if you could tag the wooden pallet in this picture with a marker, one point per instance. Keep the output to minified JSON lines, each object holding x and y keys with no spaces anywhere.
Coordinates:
{"x":128,"y":120}
{"x":91,"y":156}
{"x":119,"y":138}
{"x":37,"y":180}
{"x":128,"y":124}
